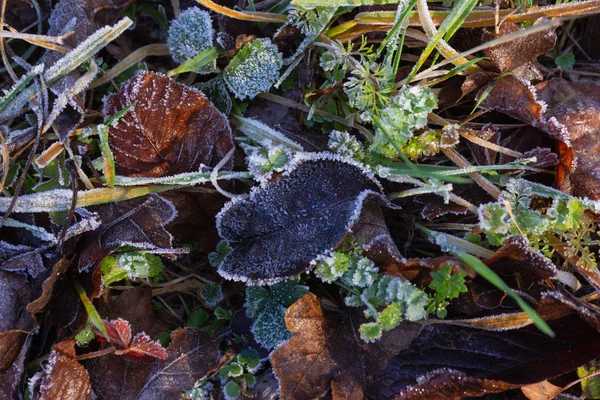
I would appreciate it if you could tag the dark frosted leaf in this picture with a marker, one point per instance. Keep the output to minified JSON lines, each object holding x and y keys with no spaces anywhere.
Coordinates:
{"x":324,"y":354}
{"x":64,"y":377}
{"x":516,"y":255}
{"x":172,"y":129}
{"x":21,"y":258}
{"x":283,"y":226}
{"x":192,"y":356}
{"x":518,"y":357}
{"x":138,"y":223}
{"x":15,"y":322}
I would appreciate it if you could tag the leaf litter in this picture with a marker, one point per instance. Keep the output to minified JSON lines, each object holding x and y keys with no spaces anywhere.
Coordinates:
{"x":278,"y":201}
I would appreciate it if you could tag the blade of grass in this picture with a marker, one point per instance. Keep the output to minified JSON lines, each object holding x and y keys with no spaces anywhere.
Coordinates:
{"x":92,"y":313}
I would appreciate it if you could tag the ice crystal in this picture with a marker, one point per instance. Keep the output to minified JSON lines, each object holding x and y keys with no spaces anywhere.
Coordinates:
{"x":254,"y":69}
{"x":190,"y":34}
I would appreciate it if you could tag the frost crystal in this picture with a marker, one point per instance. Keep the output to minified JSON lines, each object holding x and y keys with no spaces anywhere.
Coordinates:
{"x":254,"y":69}
{"x":140,"y":265}
{"x":190,"y":34}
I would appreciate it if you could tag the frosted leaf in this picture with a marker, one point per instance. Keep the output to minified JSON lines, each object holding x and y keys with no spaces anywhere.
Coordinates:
{"x":518,"y":193}
{"x":493,"y":218}
{"x":285,"y":225}
{"x":263,"y":161}
{"x":269,"y":329}
{"x":137,"y":223}
{"x":254,"y":69}
{"x":450,"y":136}
{"x":370,"y":332}
{"x":330,"y":268}
{"x":172,"y":128}
{"x":189,"y":34}
{"x":363,"y":273}
{"x":406,"y":112}
{"x":346,"y":145}
{"x":212,"y":294}
{"x":140,"y":265}
{"x":217,"y":93}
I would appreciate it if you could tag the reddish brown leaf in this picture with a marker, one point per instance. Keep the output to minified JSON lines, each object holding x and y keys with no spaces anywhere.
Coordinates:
{"x":64,"y":377}
{"x":576,"y":105}
{"x":142,"y":348}
{"x":172,"y":129}
{"x":541,"y":391}
{"x":449,"y":384}
{"x":521,"y":51}
{"x":322,"y":355}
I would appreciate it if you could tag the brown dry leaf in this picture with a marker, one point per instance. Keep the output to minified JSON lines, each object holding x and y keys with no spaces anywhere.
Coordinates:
{"x":576,"y":105}
{"x":64,"y":377}
{"x":521,"y":51}
{"x":541,"y":391}
{"x":570,"y":113}
{"x":172,"y":129}
{"x":450,"y":384}
{"x":323,"y":354}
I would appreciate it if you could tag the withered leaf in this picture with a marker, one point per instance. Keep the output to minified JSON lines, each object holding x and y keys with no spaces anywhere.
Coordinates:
{"x":64,"y":377}
{"x":322,"y":355}
{"x":517,"y":358}
{"x":112,"y":376}
{"x":15,"y":321}
{"x":520,"y":51}
{"x":192,"y":356}
{"x":285,"y":225}
{"x":570,"y":113}
{"x":516,"y":255}
{"x":576,"y":105}
{"x":172,"y":128}
{"x":138,"y":223}
{"x":21,"y":258}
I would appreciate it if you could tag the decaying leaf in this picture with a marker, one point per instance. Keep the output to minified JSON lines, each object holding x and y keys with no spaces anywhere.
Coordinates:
{"x":15,"y":322}
{"x":521,"y":51}
{"x":192,"y":356}
{"x":285,"y":225}
{"x":21,"y":258}
{"x":172,"y":128}
{"x":138,"y":223}
{"x":447,"y":361}
{"x":570,"y":113}
{"x":322,"y":355}
{"x":63,"y":377}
